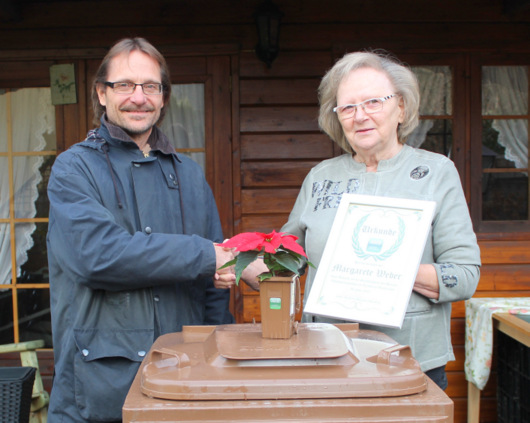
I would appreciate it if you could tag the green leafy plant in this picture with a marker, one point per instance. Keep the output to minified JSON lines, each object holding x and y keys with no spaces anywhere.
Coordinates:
{"x":280,"y":252}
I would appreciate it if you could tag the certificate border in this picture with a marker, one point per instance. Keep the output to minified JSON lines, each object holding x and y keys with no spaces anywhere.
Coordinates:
{"x":412,"y":258}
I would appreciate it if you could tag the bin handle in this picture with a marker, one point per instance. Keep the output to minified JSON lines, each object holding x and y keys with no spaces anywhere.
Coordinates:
{"x":384,"y":355}
{"x":298,"y":301}
{"x":165,"y":357}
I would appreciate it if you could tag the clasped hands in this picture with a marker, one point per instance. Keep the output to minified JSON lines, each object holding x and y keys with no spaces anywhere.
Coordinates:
{"x":226,"y":278}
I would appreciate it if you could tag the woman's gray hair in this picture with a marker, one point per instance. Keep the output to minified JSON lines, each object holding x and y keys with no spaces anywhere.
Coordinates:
{"x":402,"y":78}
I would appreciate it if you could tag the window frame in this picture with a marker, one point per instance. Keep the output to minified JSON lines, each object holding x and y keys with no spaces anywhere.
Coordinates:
{"x":460,"y":86}
{"x":517,"y":228}
{"x":15,"y":286}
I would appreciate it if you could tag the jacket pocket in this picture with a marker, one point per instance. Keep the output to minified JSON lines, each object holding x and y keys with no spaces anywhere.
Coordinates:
{"x":105,"y":364}
{"x":418,"y":304}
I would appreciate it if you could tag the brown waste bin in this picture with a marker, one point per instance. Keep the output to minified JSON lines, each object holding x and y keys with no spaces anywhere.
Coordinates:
{"x":323,"y":373}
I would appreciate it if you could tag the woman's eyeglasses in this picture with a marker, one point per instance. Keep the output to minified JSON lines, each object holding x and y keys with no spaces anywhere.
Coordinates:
{"x":372,"y":105}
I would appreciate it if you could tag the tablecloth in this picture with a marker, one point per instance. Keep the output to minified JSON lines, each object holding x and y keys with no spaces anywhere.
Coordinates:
{"x":479,"y":333}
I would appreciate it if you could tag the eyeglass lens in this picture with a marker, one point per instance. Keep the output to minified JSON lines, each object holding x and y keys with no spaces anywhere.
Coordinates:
{"x":149,"y":88}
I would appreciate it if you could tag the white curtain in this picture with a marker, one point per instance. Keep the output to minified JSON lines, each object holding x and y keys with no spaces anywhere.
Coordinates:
{"x":184,"y":121}
{"x":435,"y":96}
{"x":32,"y":117}
{"x":505,"y":92}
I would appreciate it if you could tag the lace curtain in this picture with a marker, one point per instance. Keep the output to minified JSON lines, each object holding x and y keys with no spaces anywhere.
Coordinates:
{"x":435,"y":95}
{"x":184,"y":121}
{"x":32,"y":116}
{"x":505,"y":92}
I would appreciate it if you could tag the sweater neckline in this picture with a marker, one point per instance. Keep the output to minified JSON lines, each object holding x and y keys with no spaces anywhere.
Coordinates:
{"x":383,"y":165}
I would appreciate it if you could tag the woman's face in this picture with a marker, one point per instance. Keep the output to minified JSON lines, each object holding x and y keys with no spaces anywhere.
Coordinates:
{"x":370,"y":133}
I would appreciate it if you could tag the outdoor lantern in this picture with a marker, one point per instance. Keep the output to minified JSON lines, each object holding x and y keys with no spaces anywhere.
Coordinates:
{"x":268,"y":18}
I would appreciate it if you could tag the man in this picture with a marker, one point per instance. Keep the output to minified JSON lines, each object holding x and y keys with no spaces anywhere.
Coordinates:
{"x":130,"y":241}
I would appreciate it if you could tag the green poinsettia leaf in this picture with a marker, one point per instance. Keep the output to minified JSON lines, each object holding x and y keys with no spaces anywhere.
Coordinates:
{"x":288,"y":262}
{"x":264,"y":276}
{"x":242,"y":260}
{"x":228,"y":264}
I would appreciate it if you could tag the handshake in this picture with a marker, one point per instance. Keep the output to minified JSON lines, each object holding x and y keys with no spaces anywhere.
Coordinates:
{"x":226,"y":278}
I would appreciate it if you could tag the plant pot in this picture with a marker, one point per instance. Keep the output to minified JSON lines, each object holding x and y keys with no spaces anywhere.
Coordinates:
{"x":280,"y":301}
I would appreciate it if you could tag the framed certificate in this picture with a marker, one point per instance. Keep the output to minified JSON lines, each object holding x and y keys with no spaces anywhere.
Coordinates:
{"x":371,"y":259}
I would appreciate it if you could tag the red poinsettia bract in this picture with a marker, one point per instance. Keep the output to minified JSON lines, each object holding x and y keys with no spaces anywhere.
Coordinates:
{"x":280,"y":252}
{"x":270,"y":243}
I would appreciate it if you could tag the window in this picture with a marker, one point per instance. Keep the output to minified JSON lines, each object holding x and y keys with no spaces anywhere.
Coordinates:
{"x":184,"y":121}
{"x":475,"y":111}
{"x":434,"y":132}
{"x":27,"y":152}
{"x":505,"y":119}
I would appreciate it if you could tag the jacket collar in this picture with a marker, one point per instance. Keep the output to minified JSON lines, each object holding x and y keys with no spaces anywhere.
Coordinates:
{"x":157,"y":139}
{"x":109,"y":133}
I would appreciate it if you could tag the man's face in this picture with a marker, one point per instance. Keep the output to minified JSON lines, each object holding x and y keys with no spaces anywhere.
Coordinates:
{"x":135,"y":113}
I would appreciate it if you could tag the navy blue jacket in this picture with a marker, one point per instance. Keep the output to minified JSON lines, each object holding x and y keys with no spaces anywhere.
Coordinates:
{"x":130,"y":258}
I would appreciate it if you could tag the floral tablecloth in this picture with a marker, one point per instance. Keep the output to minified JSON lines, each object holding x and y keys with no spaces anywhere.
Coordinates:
{"x":479,"y":333}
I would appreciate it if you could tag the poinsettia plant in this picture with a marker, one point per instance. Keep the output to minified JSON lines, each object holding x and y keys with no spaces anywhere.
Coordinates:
{"x":279,"y":250}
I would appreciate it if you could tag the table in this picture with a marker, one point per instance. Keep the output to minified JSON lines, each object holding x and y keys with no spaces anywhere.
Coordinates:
{"x":482,"y":315}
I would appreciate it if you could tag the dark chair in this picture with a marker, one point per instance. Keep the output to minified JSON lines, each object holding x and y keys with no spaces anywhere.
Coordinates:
{"x":15,"y":382}
{"x":16,"y":386}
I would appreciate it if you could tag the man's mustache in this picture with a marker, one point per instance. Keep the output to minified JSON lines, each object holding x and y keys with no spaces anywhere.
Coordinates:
{"x":136,"y":109}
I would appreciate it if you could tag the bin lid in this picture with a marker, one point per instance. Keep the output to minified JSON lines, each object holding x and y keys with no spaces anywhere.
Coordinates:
{"x":234,"y":362}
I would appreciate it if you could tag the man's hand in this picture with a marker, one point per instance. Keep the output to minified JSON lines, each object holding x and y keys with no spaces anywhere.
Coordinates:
{"x":224,"y":278}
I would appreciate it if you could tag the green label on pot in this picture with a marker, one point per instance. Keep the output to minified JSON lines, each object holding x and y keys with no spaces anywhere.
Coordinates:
{"x":275,"y":303}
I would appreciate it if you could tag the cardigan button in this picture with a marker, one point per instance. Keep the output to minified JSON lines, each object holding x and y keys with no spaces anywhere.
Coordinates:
{"x":148,"y":230}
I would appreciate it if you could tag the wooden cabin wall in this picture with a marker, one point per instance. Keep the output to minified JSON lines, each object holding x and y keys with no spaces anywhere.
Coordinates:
{"x":275,"y":137}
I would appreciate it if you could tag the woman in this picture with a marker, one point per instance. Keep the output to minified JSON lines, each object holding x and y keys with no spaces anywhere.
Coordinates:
{"x":369,"y":104}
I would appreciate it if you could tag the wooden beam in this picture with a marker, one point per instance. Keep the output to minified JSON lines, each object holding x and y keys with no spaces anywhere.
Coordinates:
{"x":512,"y":7}
{"x":10,"y":10}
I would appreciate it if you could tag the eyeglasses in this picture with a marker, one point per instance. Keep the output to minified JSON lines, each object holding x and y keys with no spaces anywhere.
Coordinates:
{"x":372,"y":105}
{"x":148,"y":88}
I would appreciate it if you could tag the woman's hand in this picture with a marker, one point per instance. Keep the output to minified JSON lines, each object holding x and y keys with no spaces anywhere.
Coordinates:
{"x":251,"y":272}
{"x":426,"y":282}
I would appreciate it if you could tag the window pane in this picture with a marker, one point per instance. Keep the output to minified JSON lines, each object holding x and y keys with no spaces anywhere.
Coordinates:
{"x":35,"y":268}
{"x":505,"y":90}
{"x":505,"y":143}
{"x":433,"y":135}
{"x":4,"y":188}
{"x":6,"y":317}
{"x":505,"y":196}
{"x":184,"y":121}
{"x":34,"y":320}
{"x":504,"y":192}
{"x":435,"y":89}
{"x":5,"y":254}
{"x":33,"y":120}
{"x":31,"y":174}
{"x":3,"y":121}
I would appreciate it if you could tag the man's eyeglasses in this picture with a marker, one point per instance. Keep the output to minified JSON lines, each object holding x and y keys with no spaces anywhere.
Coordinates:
{"x":148,"y":88}
{"x":372,"y":105}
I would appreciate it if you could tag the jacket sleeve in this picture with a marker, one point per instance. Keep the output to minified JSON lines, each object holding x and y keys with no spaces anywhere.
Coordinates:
{"x":217,"y":301}
{"x":455,"y":249}
{"x":85,"y":240}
